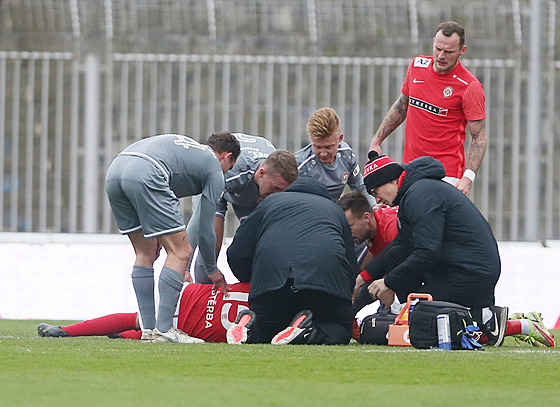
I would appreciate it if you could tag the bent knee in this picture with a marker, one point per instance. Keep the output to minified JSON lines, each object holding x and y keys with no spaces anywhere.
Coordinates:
{"x":182,"y":253}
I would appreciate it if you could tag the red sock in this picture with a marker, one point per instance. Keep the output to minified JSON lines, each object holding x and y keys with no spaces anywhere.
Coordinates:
{"x":107,"y":325}
{"x":131,"y":334}
{"x":355,"y":330}
{"x":513,"y":327}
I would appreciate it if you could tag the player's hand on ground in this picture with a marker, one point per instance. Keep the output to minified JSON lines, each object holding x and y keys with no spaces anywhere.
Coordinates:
{"x":219,"y":281}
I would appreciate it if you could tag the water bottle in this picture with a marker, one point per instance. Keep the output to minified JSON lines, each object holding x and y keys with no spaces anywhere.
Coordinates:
{"x":444,"y":332}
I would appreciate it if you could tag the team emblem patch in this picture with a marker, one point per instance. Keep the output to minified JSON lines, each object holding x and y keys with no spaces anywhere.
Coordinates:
{"x":345,"y":177}
{"x":448,"y":91}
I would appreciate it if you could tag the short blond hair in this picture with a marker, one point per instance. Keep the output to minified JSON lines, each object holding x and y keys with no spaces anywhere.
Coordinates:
{"x":323,"y":123}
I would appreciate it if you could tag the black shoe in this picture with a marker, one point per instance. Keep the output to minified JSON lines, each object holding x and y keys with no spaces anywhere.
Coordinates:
{"x":495,"y":328}
{"x":115,"y":336}
{"x":52,"y":331}
{"x":237,"y":333}
{"x":299,"y":331}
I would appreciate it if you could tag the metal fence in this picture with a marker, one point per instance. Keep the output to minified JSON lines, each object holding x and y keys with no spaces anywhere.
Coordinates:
{"x":65,"y":115}
{"x":64,"y":121}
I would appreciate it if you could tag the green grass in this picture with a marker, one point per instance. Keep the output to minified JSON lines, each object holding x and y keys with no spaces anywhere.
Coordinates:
{"x":99,"y":371}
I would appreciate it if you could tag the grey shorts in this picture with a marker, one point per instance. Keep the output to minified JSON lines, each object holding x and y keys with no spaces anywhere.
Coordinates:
{"x":141,"y":199}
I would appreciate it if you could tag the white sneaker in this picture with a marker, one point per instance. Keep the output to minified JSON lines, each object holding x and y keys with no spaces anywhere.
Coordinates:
{"x":148,"y":335}
{"x":238,"y":332}
{"x":174,"y":335}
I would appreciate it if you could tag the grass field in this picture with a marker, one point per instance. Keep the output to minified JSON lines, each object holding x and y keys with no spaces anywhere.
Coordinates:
{"x":99,"y":371}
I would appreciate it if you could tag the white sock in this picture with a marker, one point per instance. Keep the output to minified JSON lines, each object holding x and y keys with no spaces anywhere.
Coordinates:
{"x":525,"y":326}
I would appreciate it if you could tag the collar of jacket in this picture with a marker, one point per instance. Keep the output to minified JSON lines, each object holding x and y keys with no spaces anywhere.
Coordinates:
{"x":421,"y":168}
{"x":309,"y":185}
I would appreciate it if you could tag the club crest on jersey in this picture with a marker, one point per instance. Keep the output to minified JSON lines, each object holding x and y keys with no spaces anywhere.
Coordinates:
{"x":448,"y":91}
{"x":345,"y":177}
{"x":421,"y":62}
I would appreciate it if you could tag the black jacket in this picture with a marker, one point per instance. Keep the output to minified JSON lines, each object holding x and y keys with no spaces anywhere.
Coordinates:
{"x":444,"y":239}
{"x":301,"y":234}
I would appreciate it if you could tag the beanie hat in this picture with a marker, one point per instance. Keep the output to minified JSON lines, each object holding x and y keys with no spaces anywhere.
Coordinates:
{"x":381,"y":170}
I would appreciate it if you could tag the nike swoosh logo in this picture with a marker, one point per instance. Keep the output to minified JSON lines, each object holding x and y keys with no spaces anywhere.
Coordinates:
{"x":417,"y":81}
{"x":496,"y":331}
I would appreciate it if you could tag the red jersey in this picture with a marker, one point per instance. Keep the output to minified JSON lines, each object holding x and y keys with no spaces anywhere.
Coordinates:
{"x":207,"y":314}
{"x":387,"y":229}
{"x":440,"y":105}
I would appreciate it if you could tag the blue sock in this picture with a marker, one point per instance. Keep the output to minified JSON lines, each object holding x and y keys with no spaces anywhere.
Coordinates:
{"x":170,"y":285}
{"x":143,"y":283}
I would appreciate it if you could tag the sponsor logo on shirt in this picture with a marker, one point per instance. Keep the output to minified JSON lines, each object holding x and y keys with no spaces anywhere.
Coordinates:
{"x":417,"y":81}
{"x":428,"y":107}
{"x":448,"y":91}
{"x":421,"y":62}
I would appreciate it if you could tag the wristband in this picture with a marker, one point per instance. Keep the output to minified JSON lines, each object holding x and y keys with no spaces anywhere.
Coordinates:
{"x":366,"y":276}
{"x":470,"y":174}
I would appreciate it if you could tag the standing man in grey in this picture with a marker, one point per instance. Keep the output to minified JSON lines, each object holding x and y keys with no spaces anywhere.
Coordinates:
{"x":144,"y":184}
{"x":259,"y":171}
{"x":331,"y":161}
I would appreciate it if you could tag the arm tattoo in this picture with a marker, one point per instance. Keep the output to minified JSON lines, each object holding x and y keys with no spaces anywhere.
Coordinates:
{"x":393,"y":119}
{"x":479,"y":141}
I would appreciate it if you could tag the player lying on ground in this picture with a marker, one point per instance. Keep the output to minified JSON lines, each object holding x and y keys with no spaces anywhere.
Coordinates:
{"x":203,"y":313}
{"x":207,"y":315}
